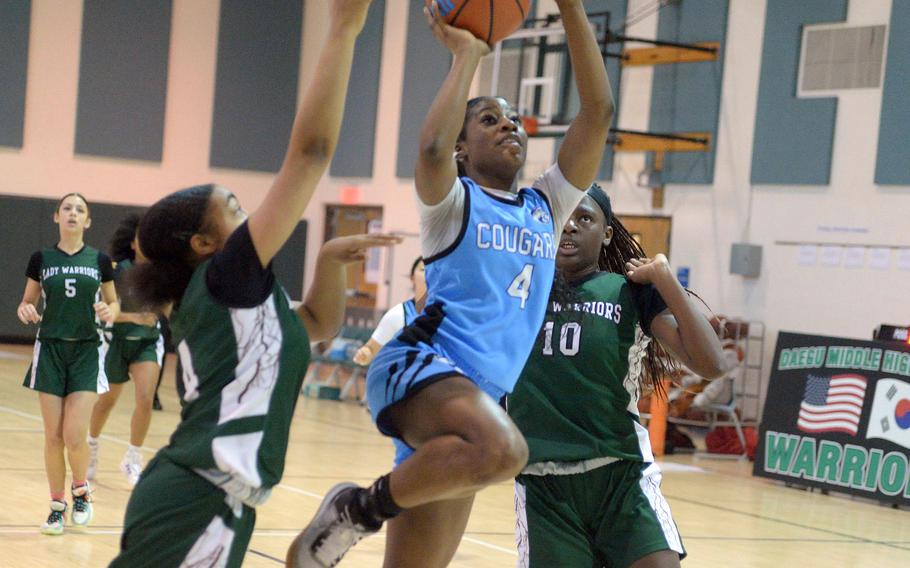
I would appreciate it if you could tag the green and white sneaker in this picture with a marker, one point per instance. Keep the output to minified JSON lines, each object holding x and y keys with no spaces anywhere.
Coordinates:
{"x":82,"y":505}
{"x":55,"y":521}
{"x":132,"y":466}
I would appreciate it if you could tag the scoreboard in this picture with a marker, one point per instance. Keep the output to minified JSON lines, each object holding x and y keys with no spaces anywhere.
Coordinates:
{"x":886,"y":332}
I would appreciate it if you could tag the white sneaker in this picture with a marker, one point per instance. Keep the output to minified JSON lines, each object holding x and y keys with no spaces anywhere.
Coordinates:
{"x":92,"y":459}
{"x":55,"y":521}
{"x":82,"y":505}
{"x":332,"y":532}
{"x":131,"y":465}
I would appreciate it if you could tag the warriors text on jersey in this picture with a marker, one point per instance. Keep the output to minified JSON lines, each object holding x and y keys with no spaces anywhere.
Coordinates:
{"x":70,"y":287}
{"x":577,"y":397}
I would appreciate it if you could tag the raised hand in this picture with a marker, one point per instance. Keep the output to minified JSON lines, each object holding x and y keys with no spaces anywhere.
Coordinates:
{"x":454,"y":39}
{"x":350,"y":249}
{"x":647,"y":270}
{"x":27,"y":313}
{"x":363,"y":356}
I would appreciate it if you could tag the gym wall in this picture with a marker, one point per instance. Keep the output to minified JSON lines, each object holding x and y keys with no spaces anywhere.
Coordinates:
{"x":748,"y":194}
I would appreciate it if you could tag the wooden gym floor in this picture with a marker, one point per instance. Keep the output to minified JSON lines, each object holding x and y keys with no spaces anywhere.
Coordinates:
{"x":726,"y":517}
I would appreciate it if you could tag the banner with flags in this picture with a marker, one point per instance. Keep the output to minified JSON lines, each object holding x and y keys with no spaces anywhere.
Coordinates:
{"x":837,"y":416}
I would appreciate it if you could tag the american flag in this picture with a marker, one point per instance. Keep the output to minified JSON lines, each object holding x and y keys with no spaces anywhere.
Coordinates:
{"x":832,"y":404}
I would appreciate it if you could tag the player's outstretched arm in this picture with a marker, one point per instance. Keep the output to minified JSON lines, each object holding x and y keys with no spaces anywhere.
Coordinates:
{"x":681,"y":329}
{"x":314,"y":135}
{"x":583,"y":147}
{"x":322,"y":311}
{"x":436,"y":169}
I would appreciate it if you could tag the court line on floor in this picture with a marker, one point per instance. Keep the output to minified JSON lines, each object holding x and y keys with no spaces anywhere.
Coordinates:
{"x":103,"y":530}
{"x":107,"y":437}
{"x":284,"y":486}
{"x":264,"y":555}
{"x":336,"y":425}
{"x":780,"y":539}
{"x":10,"y":356}
{"x":117,"y":532}
{"x":785,"y":522}
{"x":478,"y":542}
{"x":114,"y":530}
{"x":256,"y":533}
{"x":42,"y":470}
{"x":365,"y":479}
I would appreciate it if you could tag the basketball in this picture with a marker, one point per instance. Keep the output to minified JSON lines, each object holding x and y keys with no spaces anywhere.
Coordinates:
{"x":490,"y":20}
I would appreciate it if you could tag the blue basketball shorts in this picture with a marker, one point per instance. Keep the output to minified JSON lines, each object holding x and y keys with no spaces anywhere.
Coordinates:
{"x":401,"y":370}
{"x":402,"y":451}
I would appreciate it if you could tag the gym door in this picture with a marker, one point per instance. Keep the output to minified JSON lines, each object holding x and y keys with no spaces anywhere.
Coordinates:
{"x":651,"y":231}
{"x":363,"y":278}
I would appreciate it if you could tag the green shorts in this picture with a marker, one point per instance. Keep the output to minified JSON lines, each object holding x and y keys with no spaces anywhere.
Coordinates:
{"x":176,"y":518}
{"x":62,"y":367}
{"x":123,"y":352}
{"x":610,"y":516}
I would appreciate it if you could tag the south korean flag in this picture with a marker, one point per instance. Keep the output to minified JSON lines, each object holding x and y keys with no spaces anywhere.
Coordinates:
{"x":890,"y":416}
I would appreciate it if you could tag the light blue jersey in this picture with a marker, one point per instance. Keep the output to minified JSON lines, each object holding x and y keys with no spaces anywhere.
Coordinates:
{"x":490,"y":259}
{"x":492,"y":284}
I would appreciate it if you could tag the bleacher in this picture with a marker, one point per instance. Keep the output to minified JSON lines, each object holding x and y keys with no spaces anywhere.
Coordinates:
{"x":333,"y":374}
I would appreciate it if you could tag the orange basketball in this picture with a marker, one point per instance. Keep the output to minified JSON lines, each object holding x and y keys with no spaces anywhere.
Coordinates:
{"x":489,"y":20}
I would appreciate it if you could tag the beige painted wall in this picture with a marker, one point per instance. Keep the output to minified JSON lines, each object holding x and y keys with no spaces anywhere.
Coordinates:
{"x":706,"y":219}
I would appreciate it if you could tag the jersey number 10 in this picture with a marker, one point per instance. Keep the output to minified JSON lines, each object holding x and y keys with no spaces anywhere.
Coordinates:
{"x":569,"y":338}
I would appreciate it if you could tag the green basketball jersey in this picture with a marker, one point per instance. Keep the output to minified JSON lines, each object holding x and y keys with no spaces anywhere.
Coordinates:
{"x":576,"y":399}
{"x":70,"y":287}
{"x":242,"y":371}
{"x":126,"y":329}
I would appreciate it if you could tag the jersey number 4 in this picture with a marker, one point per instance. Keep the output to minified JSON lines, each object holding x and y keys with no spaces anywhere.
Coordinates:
{"x":569,"y":338}
{"x":521,"y":285}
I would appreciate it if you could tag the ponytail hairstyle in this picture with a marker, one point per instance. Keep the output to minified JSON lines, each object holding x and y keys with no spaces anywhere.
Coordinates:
{"x":121,"y":245}
{"x":657,"y":364}
{"x":164,"y":237}
{"x":464,"y":130}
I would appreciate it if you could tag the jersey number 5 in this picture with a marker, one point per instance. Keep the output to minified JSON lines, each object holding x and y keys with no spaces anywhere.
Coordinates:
{"x":69,"y":285}
{"x":521,"y":285}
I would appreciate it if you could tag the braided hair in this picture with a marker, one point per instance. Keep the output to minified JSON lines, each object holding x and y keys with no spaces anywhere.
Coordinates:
{"x":657,"y":364}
